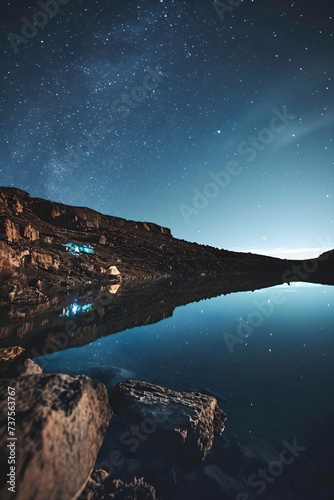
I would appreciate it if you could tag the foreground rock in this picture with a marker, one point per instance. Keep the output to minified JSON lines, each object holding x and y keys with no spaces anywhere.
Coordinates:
{"x":60,"y":425}
{"x":184,"y":423}
{"x":157,"y":432}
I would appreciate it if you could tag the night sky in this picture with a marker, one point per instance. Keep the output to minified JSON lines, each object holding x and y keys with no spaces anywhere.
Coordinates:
{"x":214,"y":121}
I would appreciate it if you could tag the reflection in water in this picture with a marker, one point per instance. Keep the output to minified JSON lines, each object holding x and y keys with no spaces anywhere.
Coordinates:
{"x":278,"y":370}
{"x":113,"y":289}
{"x":276,"y":386}
{"x":77,"y":319}
{"x":75,"y":308}
{"x":275,"y":383}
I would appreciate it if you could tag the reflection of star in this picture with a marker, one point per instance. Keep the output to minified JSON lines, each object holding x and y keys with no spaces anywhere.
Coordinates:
{"x":218,"y":131}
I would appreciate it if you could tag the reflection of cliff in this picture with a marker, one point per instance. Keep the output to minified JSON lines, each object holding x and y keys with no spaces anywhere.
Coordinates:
{"x":94,"y":313}
{"x":36,"y":269}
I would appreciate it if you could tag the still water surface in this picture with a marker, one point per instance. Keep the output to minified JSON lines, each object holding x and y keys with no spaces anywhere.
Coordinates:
{"x":268,"y":355}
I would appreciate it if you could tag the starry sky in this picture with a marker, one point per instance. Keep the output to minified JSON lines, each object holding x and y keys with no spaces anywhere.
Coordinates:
{"x":215,"y":120}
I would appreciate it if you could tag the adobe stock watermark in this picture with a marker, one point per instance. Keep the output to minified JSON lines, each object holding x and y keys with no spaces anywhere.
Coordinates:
{"x":221,"y":7}
{"x":260,"y":480}
{"x":120,"y":109}
{"x":251,"y":147}
{"x":133,"y":438}
{"x":40,"y":19}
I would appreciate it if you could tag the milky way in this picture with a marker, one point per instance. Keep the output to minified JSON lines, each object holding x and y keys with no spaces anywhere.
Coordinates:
{"x":213,"y":119}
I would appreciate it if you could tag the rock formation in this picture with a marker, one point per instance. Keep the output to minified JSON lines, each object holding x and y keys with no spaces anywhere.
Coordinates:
{"x":185,"y":424}
{"x":61,"y":422}
{"x":60,"y":425}
{"x":158,"y":433}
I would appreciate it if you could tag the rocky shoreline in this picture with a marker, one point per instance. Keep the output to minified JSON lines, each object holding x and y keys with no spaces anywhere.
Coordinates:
{"x":143,"y":442}
{"x":61,"y":423}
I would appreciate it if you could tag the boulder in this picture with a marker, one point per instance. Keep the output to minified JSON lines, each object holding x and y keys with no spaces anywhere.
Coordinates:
{"x":60,"y":425}
{"x":162,"y":427}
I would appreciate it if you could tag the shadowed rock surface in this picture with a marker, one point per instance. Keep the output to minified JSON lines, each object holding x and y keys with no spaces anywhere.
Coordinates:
{"x":156,"y":431}
{"x":186,"y":422}
{"x":60,"y":424}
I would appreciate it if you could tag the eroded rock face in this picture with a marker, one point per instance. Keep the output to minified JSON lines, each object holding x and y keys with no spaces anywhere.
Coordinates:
{"x":10,"y":353}
{"x":30,"y":233}
{"x":161,"y":428}
{"x":11,"y":230}
{"x":60,"y":424}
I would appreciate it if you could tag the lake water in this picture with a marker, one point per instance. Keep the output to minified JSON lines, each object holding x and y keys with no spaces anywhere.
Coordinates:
{"x":268,"y":355}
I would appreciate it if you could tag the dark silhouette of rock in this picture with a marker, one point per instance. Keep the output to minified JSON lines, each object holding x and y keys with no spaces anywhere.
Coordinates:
{"x":101,"y":487}
{"x":60,"y":424}
{"x":156,"y":432}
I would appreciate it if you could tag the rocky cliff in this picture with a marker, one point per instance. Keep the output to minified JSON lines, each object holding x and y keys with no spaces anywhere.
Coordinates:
{"x":47,"y":246}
